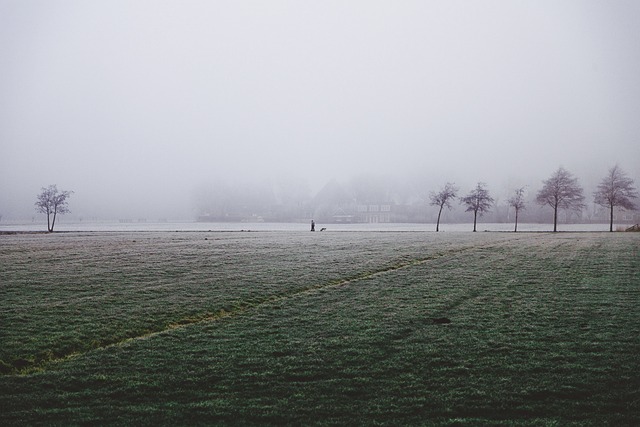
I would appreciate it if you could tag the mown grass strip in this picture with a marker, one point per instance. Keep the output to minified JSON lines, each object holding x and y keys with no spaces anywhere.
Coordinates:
{"x":27,"y":367}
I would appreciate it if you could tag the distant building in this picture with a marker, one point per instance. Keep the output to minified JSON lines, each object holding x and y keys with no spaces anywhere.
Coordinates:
{"x":374,"y":213}
{"x":342,"y":216}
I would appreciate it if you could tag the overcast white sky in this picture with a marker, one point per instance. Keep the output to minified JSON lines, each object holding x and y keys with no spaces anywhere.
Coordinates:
{"x":133,"y":104}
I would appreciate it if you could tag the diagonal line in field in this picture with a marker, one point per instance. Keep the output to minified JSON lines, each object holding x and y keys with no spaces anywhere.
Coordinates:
{"x":242,"y":308}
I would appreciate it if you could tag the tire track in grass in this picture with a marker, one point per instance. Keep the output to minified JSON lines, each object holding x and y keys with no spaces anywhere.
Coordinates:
{"x":246,"y":306}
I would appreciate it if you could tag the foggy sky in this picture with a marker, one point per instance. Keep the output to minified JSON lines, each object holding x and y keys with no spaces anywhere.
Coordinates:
{"x":134,"y":104}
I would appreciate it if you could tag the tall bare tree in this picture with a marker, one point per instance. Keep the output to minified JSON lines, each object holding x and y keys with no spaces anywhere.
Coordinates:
{"x":615,"y":190}
{"x":479,"y":201}
{"x":517,"y":202}
{"x":52,"y":202}
{"x":561,"y":191}
{"x":443,"y":198}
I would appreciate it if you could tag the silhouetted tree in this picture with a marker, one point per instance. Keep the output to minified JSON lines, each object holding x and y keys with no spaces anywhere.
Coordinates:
{"x":615,"y":190}
{"x":561,"y":190}
{"x":479,"y":201}
{"x":517,"y":201}
{"x":52,"y":202}
{"x":443,"y":198}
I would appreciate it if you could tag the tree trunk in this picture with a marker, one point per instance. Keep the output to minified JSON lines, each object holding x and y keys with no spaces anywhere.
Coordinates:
{"x":475,"y":216}
{"x":515,"y":230}
{"x":53,"y":223}
{"x":611,"y":219}
{"x":438,"y":223}
{"x":48,"y":220}
{"x":555,"y":218}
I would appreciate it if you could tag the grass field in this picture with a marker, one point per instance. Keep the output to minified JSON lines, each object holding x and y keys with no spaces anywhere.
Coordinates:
{"x":358,"y":328}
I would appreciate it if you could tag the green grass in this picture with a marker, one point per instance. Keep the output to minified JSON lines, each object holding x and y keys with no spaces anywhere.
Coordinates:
{"x":324,"y":328}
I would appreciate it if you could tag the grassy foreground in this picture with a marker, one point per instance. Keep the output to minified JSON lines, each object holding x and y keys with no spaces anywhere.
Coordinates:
{"x":320,"y":328}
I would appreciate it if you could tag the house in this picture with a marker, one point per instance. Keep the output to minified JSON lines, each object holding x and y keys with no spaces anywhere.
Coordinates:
{"x":374,"y":213}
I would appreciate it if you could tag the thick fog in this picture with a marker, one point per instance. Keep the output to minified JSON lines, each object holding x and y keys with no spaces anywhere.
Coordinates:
{"x":142,"y":108}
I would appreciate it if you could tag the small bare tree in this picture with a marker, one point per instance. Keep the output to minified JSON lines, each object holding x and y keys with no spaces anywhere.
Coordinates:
{"x":52,"y":202}
{"x":561,"y":190}
{"x":517,"y":202}
{"x":479,"y":201}
{"x":615,"y":190}
{"x":443,"y":198}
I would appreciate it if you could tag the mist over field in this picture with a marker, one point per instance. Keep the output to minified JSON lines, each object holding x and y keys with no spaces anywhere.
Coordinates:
{"x":148,"y":109}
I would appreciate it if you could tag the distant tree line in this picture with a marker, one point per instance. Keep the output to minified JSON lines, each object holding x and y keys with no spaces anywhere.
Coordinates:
{"x":560,"y":191}
{"x":369,"y":200}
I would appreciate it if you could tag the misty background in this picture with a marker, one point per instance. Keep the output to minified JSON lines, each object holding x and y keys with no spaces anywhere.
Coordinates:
{"x":149,"y":109}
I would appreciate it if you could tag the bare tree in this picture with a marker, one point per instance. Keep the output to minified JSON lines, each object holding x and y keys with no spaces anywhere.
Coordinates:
{"x":561,"y":190}
{"x":517,"y":202}
{"x":615,"y":190}
{"x":443,"y":198}
{"x":52,"y":202}
{"x":479,"y":201}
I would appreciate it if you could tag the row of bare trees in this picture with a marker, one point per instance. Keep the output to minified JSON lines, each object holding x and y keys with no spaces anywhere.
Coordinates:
{"x":560,"y":191}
